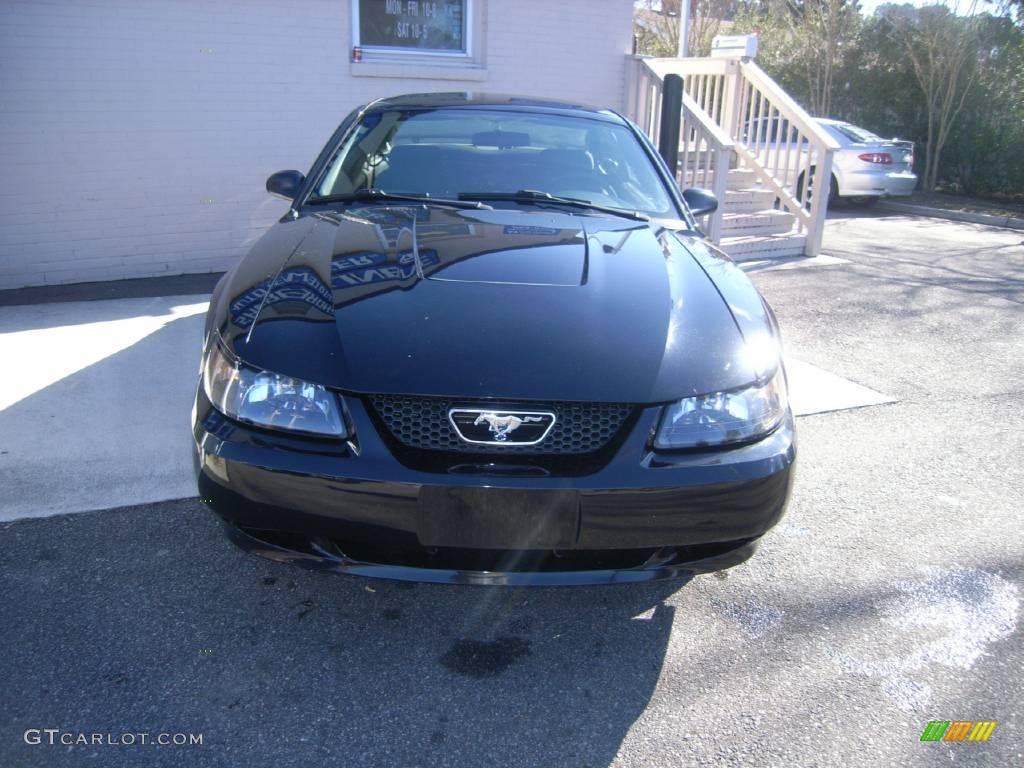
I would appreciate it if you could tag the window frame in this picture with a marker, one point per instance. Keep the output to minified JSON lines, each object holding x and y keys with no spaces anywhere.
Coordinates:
{"x":397,"y":53}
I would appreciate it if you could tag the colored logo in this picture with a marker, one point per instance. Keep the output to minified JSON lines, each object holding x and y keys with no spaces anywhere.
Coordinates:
{"x":958,"y":730}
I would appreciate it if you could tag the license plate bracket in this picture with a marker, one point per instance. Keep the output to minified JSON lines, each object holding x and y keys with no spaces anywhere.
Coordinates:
{"x":497,"y":518}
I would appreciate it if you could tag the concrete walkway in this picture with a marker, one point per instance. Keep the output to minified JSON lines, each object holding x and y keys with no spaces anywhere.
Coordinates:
{"x":97,"y":415}
{"x":94,"y":409}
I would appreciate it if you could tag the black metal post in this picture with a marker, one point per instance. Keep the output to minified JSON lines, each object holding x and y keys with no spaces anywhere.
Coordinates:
{"x":671,"y":114}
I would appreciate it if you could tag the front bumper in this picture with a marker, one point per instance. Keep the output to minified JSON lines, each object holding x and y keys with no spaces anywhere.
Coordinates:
{"x":354,"y":508}
{"x":320,"y":554}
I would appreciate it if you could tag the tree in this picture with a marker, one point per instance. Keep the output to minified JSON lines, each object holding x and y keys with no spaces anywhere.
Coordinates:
{"x":706,"y":21}
{"x":875,"y":85}
{"x":1009,"y":7}
{"x":821,"y":30}
{"x":942,"y":48}
{"x":803,"y":43}
{"x":952,"y":82}
{"x":656,"y":25}
{"x":984,"y":152}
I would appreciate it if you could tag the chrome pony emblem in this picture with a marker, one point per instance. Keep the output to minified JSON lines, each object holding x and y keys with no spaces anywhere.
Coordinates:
{"x":497,"y":427}
{"x":503,"y":426}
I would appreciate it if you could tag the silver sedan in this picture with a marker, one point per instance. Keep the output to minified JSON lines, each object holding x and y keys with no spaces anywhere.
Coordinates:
{"x":865,"y":168}
{"x":868,"y":167}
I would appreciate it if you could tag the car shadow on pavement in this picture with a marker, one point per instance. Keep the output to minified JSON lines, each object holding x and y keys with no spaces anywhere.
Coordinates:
{"x":147,"y":620}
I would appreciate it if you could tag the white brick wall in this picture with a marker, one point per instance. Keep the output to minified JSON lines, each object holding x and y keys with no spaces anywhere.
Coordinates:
{"x":114,"y":126}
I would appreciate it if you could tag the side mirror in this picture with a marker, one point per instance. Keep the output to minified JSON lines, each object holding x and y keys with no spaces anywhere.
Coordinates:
{"x":700,"y":201}
{"x":285,"y":184}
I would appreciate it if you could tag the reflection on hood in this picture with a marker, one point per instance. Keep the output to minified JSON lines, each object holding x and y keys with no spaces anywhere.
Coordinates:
{"x":510,"y":303}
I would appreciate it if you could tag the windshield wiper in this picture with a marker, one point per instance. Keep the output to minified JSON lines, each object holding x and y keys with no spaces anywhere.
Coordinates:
{"x":536,"y":196}
{"x":372,"y":193}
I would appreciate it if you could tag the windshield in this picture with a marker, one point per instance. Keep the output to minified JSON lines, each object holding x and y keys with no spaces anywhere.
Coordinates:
{"x":447,"y":152}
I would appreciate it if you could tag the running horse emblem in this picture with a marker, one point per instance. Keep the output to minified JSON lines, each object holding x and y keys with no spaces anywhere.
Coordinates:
{"x":502,"y":426}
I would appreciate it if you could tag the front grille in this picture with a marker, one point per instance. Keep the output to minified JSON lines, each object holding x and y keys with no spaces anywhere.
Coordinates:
{"x":422,"y":423}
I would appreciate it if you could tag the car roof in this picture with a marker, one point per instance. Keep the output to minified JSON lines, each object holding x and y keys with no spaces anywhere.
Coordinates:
{"x":477,"y":99}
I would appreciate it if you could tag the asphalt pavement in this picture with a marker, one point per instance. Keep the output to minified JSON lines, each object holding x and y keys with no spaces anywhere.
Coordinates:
{"x":890,"y":595}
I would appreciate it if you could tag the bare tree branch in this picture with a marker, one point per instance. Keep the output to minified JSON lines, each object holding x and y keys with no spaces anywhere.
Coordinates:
{"x":941,"y":46}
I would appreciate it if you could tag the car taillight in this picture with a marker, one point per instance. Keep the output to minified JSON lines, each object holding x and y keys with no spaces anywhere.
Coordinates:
{"x":878,"y":158}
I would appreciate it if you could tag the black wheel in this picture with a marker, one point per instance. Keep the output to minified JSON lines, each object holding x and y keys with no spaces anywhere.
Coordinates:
{"x":833,"y":191}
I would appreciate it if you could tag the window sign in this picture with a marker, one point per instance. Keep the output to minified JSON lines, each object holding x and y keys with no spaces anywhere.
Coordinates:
{"x":428,"y":26}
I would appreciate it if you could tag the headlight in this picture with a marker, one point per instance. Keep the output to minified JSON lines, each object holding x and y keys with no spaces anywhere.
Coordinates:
{"x":724,"y":417}
{"x":269,"y":399}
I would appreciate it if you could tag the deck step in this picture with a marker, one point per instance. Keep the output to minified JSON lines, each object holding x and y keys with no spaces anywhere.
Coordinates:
{"x":738,"y":178}
{"x":750,"y":247}
{"x":748,"y":200}
{"x":742,"y":178}
{"x":766,"y":222}
{"x":752,"y":229}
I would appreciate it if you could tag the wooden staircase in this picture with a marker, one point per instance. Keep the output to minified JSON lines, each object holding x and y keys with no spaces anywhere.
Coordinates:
{"x":741,"y":136}
{"x":752,"y":226}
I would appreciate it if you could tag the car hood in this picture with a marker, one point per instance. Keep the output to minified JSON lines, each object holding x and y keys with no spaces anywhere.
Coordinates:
{"x":512,"y":304}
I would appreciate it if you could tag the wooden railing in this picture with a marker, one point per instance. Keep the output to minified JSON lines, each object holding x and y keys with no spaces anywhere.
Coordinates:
{"x":643,"y":95}
{"x":706,"y":152}
{"x":705,"y":155}
{"x":733,"y":114}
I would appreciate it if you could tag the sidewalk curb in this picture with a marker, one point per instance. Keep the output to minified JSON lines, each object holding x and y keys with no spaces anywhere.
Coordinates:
{"x":1010,"y":222}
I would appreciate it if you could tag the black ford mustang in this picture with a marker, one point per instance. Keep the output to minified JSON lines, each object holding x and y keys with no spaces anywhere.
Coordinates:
{"x":487,"y":344}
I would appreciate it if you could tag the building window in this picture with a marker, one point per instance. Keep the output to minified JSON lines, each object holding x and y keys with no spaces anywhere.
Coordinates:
{"x":384,"y":29}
